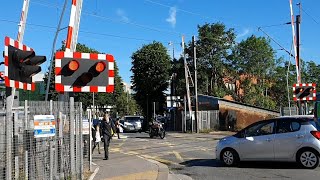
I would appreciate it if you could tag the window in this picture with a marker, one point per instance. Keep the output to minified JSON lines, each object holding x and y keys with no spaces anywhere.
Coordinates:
{"x":260,"y":129}
{"x":287,"y":125}
{"x":295,"y":126}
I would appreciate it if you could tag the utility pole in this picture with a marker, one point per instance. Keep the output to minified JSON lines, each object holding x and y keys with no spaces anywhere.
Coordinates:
{"x":172,"y":115}
{"x":195,"y":83}
{"x":186,"y":73}
{"x":298,"y":21}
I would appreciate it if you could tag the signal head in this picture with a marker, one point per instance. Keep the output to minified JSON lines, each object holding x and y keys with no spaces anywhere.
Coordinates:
{"x":73,"y":65}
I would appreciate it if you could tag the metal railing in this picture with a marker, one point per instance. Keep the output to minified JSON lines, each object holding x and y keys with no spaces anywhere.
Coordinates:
{"x":58,"y":156}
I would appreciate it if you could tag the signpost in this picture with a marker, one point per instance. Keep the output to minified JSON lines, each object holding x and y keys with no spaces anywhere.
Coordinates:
{"x":85,"y":126}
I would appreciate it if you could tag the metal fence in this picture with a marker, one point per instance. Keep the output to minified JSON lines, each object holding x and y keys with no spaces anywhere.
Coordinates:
{"x":60,"y":156}
{"x":207,"y":120}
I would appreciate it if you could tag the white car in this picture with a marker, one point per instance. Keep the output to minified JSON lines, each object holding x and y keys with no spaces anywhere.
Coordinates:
{"x":287,"y":138}
{"x":131,"y":124}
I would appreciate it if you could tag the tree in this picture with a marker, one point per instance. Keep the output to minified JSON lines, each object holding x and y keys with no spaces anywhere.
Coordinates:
{"x":178,"y":77}
{"x":254,"y":62}
{"x":213,"y":44}
{"x":150,"y":67}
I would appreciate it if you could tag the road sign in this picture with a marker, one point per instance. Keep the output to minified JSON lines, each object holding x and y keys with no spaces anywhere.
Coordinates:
{"x":85,"y":126}
{"x":44,"y":126}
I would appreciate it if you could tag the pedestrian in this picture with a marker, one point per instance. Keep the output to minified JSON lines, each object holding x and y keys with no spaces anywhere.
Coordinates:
{"x":96,"y":137}
{"x":108,"y":128}
{"x":118,"y":128}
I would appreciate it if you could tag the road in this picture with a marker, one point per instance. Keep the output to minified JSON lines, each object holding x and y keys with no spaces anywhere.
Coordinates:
{"x":194,"y":155}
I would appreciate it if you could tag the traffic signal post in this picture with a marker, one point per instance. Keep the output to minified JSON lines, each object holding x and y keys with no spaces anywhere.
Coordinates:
{"x":21,"y":63}
{"x":304,"y":92}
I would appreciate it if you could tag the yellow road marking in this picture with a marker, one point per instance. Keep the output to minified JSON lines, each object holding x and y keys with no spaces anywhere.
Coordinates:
{"x":114,"y":149}
{"x":178,"y":156}
{"x":164,"y":161}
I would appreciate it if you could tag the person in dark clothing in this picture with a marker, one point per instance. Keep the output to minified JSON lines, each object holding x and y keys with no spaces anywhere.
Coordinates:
{"x":108,"y":129}
{"x":118,"y":128}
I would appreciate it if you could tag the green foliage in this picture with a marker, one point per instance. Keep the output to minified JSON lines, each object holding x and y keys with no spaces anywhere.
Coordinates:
{"x":258,"y":77}
{"x":150,"y":67}
{"x":213,"y":44}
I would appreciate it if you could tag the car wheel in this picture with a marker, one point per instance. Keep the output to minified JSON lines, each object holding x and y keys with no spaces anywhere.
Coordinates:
{"x":229,"y":157}
{"x":308,"y":159}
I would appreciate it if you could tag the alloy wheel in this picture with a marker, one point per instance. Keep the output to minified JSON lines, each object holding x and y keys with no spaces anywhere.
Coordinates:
{"x":308,"y":159}
{"x":228,"y":157}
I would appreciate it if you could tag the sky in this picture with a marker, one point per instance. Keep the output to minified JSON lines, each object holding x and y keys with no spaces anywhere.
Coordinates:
{"x":121,"y":27}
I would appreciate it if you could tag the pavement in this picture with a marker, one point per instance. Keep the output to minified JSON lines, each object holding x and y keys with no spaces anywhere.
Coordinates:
{"x":131,"y":166}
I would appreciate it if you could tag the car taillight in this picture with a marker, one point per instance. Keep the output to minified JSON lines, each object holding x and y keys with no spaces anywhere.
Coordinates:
{"x":316,"y":134}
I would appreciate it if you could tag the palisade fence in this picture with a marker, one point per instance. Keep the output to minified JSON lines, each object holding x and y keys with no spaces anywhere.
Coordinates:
{"x":60,"y":156}
{"x":207,"y":120}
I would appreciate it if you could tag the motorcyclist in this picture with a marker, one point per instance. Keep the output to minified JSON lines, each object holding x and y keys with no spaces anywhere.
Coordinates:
{"x":156,"y":129}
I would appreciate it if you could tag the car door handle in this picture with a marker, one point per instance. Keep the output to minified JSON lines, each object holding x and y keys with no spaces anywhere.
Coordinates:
{"x":268,"y":139}
{"x":299,"y":136}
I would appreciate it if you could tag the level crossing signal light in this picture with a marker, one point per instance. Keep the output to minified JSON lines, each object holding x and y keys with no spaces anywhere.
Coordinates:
{"x":304,"y":92}
{"x":21,"y":64}
{"x":84,"y":72}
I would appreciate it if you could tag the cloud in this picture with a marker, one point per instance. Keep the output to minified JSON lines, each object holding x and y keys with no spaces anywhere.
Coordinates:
{"x":244,"y":33}
{"x":122,"y":14}
{"x":172,"y":16}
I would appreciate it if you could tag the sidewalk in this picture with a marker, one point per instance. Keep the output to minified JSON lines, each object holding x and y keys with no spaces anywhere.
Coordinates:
{"x":128,"y":167}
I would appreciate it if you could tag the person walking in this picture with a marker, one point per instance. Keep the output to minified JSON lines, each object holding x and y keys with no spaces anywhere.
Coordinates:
{"x":118,"y":128}
{"x":96,"y":137}
{"x":108,"y":128}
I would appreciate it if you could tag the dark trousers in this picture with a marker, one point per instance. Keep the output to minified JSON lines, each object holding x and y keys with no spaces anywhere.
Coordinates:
{"x":106,"y":145}
{"x":118,"y":133}
{"x":95,"y":144}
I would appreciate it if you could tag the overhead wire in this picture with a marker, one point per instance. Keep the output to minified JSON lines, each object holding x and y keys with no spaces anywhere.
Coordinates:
{"x":83,"y":31}
{"x":309,"y":16}
{"x":117,"y":20}
{"x":275,"y":25}
{"x":39,"y":2}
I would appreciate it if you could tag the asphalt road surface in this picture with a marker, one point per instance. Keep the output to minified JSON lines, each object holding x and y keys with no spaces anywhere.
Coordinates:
{"x":194,"y":155}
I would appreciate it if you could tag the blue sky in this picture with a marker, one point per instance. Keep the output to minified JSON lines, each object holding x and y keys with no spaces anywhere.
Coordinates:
{"x":120,"y":27}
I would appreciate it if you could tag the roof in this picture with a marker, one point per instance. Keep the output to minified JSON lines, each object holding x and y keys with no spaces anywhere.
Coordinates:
{"x":297,"y":116}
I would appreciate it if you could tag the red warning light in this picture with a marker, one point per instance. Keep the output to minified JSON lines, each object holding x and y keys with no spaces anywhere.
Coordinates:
{"x":73,"y":65}
{"x":100,"y":66}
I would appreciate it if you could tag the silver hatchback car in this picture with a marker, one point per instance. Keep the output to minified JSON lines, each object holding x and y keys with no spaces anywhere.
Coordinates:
{"x":286,"y":138}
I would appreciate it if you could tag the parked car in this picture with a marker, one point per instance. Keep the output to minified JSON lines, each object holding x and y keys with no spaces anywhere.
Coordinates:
{"x":131,"y":124}
{"x":287,"y":138}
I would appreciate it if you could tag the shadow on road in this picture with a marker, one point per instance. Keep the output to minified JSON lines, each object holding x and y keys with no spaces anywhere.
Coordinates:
{"x":269,"y":165}
{"x":256,"y":165}
{"x":202,"y":162}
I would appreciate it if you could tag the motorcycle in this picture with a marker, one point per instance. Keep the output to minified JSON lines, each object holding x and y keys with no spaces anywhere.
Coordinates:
{"x":156,"y":129}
